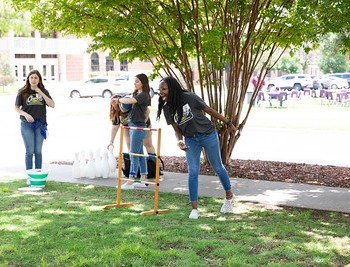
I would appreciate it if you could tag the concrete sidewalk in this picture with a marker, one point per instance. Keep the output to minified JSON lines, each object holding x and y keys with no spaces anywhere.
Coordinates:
{"x":266,"y":192}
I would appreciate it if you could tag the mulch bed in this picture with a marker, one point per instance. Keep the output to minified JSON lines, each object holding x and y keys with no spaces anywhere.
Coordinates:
{"x":313,"y":174}
{"x":274,"y":171}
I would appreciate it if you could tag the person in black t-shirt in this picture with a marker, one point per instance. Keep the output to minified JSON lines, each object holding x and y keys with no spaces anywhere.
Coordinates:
{"x":31,"y":102}
{"x":119,"y":116}
{"x":184,"y":111}
{"x":137,"y":117}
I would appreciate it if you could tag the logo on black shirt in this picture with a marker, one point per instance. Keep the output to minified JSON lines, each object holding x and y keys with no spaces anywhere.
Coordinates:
{"x":35,"y":100}
{"x":187,"y":114}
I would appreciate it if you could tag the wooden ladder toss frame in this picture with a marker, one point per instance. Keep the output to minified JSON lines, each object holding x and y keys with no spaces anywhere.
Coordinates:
{"x":118,"y":203}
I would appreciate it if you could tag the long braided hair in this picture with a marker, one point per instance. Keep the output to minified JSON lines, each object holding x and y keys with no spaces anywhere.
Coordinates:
{"x":175,"y":96}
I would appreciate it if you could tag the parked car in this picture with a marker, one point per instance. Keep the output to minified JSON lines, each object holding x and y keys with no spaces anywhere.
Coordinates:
{"x":102,"y":87}
{"x":291,"y":81}
{"x":344,"y":75}
{"x":129,"y":77}
{"x":332,"y":82}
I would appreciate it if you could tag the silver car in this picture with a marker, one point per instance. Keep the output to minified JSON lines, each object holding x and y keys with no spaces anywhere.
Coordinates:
{"x":102,"y":87}
{"x":331,"y":82}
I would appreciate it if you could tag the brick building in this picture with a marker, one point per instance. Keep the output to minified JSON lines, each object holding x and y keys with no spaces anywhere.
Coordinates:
{"x":61,"y":58}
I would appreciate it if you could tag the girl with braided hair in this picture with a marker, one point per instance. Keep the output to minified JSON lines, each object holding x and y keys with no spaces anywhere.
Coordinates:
{"x":184,"y":111}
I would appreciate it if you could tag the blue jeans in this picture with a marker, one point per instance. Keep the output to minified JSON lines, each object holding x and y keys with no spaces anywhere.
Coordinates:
{"x":210,"y":143}
{"x":136,"y":146}
{"x":33,"y":142}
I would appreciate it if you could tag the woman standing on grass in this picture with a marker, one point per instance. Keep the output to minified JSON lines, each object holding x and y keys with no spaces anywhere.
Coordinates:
{"x":31,"y":102}
{"x":184,"y":111}
{"x":137,"y":117}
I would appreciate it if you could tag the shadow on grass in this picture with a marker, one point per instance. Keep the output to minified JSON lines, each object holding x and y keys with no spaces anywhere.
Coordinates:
{"x":67,"y":225}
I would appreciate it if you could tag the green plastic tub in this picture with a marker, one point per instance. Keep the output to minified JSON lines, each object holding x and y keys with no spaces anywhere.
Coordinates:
{"x":37,"y":179}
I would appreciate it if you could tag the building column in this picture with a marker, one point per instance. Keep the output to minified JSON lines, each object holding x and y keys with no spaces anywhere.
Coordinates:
{"x":62,"y":67}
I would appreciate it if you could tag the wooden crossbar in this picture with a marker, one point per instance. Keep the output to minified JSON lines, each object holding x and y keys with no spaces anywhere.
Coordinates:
{"x":141,"y":181}
{"x":138,"y":155}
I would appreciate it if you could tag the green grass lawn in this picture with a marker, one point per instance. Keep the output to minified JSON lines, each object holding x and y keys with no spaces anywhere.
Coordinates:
{"x":308,"y":114}
{"x":66,"y":225}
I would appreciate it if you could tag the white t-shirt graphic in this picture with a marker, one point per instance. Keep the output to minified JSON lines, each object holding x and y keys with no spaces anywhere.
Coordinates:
{"x":193,"y":120}
{"x":186,"y":114}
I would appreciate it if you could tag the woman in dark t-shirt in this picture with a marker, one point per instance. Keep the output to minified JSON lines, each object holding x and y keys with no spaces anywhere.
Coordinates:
{"x":119,"y":116}
{"x":185,"y":112}
{"x":31,"y":102}
{"x":137,"y":118}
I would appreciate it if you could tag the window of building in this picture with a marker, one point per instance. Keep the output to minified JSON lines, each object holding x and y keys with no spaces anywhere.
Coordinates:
{"x":24,"y":71}
{"x":52,"y":70}
{"x":124,"y":65}
{"x":48,"y":34}
{"x":24,"y":55}
{"x":95,"y":63}
{"x":31,"y":67}
{"x":22,"y":34}
{"x":44,"y":71}
{"x":109,"y":64}
{"x":48,"y":56}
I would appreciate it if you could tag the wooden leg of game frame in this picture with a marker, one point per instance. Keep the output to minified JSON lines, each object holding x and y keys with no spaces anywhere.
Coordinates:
{"x":152,"y":212}
{"x":119,"y":178}
{"x":156,"y":188}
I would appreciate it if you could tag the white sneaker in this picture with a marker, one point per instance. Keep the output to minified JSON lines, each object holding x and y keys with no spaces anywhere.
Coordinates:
{"x":127,"y":186}
{"x":227,"y":205}
{"x":194,"y":214}
{"x":139,"y":185}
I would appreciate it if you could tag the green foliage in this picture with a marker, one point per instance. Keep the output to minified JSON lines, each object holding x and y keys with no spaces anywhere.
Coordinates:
{"x":332,"y":60}
{"x":6,"y":77}
{"x":11,"y":19}
{"x":334,"y":17}
{"x":289,"y":64}
{"x":67,"y":226}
